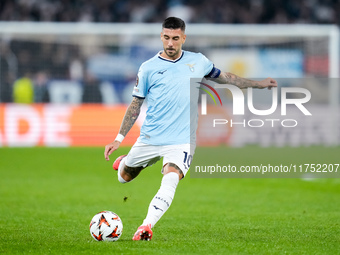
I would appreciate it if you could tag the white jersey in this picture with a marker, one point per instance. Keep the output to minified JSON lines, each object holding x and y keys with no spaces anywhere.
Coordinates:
{"x":165,"y":85}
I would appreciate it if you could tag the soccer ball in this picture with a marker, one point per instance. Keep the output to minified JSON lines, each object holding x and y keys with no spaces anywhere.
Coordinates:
{"x":106,"y":226}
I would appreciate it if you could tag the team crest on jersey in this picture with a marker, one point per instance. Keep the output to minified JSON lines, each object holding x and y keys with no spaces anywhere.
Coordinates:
{"x":191,"y":67}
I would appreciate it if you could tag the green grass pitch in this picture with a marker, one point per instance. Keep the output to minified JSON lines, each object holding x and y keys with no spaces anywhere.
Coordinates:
{"x":49,"y":195}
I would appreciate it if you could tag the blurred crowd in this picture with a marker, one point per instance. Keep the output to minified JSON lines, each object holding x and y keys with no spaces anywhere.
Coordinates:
{"x":192,"y":11}
{"x":27,"y":67}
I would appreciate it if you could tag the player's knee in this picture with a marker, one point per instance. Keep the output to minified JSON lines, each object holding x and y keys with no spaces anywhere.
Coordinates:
{"x":172,"y":168}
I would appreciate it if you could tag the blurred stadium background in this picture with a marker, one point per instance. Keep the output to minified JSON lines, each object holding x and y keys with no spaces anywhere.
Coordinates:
{"x":67,"y":68}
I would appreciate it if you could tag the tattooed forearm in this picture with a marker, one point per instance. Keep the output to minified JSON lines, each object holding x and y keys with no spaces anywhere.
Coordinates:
{"x":229,"y":78}
{"x":131,"y":115}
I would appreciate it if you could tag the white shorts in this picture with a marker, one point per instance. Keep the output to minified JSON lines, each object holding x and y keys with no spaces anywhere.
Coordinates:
{"x":144,"y":155}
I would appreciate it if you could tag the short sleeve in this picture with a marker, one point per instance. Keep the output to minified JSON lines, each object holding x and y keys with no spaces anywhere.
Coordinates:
{"x":209,"y":69}
{"x":140,"y":89}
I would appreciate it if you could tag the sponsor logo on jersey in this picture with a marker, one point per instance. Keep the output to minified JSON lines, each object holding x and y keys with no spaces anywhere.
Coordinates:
{"x":137,"y":80}
{"x":161,"y":72}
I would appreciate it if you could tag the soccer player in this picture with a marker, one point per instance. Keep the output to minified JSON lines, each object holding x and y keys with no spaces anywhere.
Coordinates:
{"x":164,"y":80}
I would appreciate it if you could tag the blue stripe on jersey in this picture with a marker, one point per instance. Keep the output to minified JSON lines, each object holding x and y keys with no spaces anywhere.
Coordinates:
{"x":172,"y":61}
{"x":138,"y":97}
{"x":215,"y":73}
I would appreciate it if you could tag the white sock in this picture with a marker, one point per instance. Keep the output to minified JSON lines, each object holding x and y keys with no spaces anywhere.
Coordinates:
{"x":120,"y":168}
{"x":162,"y":200}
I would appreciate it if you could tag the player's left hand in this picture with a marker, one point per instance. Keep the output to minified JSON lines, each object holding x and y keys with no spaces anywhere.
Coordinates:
{"x":111,"y":147}
{"x":267,"y":83}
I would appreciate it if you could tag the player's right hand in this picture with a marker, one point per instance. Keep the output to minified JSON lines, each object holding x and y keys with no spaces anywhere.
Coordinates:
{"x":111,"y":147}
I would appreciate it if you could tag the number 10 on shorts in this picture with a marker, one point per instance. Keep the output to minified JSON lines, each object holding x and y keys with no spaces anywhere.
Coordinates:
{"x":187,"y":159}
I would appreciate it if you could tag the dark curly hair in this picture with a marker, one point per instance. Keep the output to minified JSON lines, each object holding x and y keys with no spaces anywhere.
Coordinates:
{"x":174,"y":23}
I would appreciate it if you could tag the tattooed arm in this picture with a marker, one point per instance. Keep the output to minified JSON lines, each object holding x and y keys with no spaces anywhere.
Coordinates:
{"x":131,"y":115}
{"x":129,"y":119}
{"x":229,"y":78}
